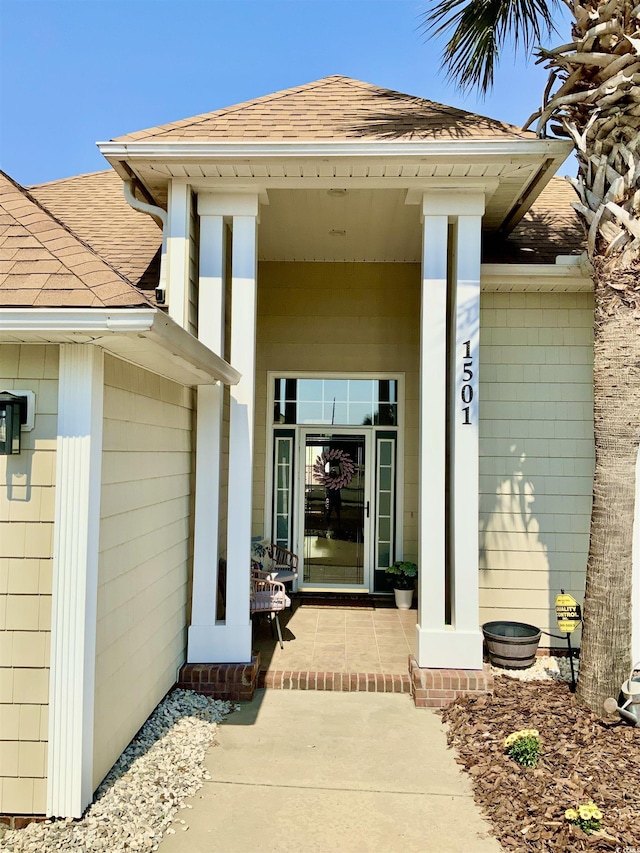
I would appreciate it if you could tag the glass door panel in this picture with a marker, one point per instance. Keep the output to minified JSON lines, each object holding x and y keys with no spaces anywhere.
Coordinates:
{"x":335,"y":510}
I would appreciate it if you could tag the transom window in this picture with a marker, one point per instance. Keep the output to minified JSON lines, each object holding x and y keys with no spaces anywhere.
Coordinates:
{"x":344,"y":402}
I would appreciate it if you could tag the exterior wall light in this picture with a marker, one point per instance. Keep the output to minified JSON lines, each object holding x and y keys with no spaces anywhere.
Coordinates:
{"x":13,"y":414}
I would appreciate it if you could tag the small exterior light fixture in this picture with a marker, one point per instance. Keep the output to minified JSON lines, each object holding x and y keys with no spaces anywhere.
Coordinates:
{"x":13,"y":414}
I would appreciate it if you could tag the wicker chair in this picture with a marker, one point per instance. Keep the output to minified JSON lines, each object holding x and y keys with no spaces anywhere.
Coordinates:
{"x":268,"y":597}
{"x":285,"y":564}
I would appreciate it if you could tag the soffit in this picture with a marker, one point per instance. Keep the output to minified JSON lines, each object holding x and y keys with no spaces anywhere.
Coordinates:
{"x":512,"y":178}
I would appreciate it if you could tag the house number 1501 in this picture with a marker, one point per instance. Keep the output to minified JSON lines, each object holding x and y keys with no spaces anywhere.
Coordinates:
{"x":466,"y":392}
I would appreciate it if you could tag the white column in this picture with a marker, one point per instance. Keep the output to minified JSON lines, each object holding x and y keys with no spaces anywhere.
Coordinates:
{"x":210,"y":640}
{"x":454,"y":539}
{"x":177,"y":261}
{"x":464,"y":503}
{"x":243,"y":349}
{"x":75,"y":580}
{"x":432,"y":447}
{"x":211,"y":312}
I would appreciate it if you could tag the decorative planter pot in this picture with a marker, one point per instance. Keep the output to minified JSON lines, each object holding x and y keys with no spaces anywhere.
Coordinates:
{"x":404,"y":598}
{"x":511,"y":645}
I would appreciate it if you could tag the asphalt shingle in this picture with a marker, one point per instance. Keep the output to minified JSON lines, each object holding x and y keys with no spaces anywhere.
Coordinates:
{"x":336,"y":108}
{"x":43,"y":264}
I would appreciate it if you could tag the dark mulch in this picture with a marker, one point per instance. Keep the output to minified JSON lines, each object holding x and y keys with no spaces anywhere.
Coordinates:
{"x":582,"y":758}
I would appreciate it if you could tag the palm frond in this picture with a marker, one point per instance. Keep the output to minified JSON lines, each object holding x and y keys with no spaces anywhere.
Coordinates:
{"x":477,"y":30}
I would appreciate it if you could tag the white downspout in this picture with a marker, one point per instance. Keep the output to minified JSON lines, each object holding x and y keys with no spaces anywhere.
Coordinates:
{"x":159,"y":214}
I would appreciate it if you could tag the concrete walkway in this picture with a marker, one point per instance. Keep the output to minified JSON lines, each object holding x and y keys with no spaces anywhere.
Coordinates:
{"x":300,"y":772}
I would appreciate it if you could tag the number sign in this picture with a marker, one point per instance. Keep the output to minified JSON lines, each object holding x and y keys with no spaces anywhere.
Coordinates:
{"x":466,"y":391}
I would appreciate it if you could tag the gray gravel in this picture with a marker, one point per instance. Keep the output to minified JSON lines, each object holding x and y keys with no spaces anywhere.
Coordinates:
{"x":544,"y":668}
{"x":142,"y":798}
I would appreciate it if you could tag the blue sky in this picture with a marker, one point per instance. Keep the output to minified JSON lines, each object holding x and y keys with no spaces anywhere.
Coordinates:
{"x":73,"y":72}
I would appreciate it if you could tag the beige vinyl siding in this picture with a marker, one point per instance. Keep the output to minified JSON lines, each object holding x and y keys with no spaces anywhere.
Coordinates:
{"x":144,"y":552}
{"x":26,"y":550}
{"x":340,"y":317}
{"x":536,"y":452}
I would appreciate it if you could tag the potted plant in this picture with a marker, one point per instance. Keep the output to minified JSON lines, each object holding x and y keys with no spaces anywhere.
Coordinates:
{"x":402,"y":576}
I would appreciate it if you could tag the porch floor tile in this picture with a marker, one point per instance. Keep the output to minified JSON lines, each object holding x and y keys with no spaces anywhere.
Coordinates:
{"x":337,"y":639}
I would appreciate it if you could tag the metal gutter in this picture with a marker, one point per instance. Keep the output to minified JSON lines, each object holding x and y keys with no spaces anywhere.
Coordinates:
{"x":144,"y":336}
{"x":191,"y":150}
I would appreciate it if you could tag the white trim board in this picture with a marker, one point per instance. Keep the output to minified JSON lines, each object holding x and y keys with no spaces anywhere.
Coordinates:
{"x":75,"y":580}
{"x":143,"y":336}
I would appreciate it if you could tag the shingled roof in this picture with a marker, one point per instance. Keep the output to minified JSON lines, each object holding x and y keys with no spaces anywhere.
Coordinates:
{"x":93,"y":207}
{"x":333,"y":109}
{"x":42,"y":264}
{"x":551,"y":227}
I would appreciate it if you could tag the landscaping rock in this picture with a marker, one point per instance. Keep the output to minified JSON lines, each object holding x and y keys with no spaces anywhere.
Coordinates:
{"x":136,"y":803}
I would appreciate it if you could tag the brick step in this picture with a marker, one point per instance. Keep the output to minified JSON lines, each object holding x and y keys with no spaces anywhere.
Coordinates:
{"x":430,"y":688}
{"x":346,"y":682}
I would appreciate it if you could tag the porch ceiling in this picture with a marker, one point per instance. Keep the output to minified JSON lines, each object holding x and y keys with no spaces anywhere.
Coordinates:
{"x":359,"y":225}
{"x":294,"y":180}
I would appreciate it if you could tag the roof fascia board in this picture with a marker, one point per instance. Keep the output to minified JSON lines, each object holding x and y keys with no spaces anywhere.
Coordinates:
{"x":186,"y":150}
{"x":538,"y":278}
{"x":149,"y":338}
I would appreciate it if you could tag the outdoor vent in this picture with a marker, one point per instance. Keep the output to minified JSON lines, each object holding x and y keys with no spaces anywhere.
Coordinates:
{"x":13,"y":415}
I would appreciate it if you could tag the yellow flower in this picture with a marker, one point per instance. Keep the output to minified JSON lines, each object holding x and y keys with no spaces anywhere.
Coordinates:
{"x":571,"y":814}
{"x":516,"y":736}
{"x":596,"y":814}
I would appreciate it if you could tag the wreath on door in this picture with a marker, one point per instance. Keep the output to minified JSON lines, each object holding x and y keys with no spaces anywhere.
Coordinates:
{"x":334,"y":469}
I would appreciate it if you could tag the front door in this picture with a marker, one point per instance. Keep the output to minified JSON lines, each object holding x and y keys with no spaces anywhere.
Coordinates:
{"x":336,"y":510}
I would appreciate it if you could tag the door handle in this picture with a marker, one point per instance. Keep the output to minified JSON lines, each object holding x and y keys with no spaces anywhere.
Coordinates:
{"x":367,"y":509}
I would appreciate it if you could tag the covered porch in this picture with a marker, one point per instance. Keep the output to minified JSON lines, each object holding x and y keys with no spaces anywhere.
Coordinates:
{"x":327,"y":263}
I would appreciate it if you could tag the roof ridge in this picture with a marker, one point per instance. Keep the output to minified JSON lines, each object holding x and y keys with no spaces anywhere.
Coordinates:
{"x":25,"y":192}
{"x":273,"y":96}
{"x":288,"y":109}
{"x":232,"y":108}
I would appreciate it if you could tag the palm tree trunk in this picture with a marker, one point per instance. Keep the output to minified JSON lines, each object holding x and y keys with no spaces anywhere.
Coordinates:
{"x":606,"y":638}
